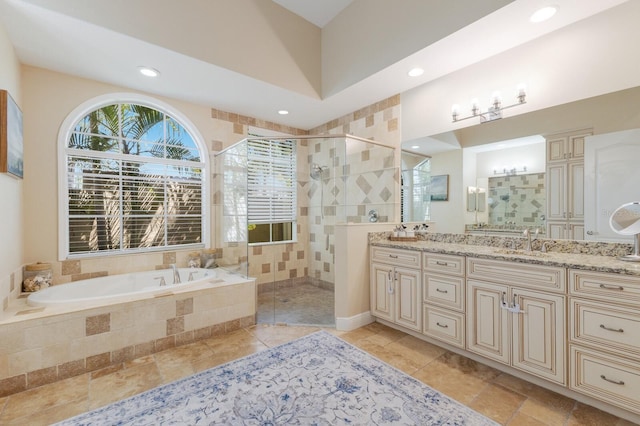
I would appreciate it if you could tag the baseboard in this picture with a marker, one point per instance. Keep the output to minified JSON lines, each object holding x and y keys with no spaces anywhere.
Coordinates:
{"x":356,"y":321}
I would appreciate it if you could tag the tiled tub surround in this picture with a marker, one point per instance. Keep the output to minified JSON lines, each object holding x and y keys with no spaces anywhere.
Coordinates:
{"x":43,"y":345}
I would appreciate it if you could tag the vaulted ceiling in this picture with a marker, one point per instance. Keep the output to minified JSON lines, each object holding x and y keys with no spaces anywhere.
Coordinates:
{"x":256,"y":57}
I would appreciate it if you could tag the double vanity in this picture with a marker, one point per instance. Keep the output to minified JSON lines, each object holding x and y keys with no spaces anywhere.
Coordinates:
{"x":567,"y":319}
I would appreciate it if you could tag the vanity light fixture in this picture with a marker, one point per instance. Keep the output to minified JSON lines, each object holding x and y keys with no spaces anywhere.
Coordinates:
{"x":543,"y":14}
{"x":148,"y":71}
{"x":510,"y":171}
{"x":283,"y":112}
{"x":494,"y":112}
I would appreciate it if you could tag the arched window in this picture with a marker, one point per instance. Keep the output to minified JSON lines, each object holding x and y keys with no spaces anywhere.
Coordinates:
{"x":132,"y":179}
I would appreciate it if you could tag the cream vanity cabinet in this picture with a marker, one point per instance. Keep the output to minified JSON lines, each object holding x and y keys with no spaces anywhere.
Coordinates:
{"x":443,"y":290}
{"x":516,"y":315}
{"x":396,"y":286}
{"x":604,"y":336}
{"x":565,"y":185}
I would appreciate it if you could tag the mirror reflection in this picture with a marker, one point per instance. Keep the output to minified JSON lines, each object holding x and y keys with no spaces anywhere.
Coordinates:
{"x":415,"y":197}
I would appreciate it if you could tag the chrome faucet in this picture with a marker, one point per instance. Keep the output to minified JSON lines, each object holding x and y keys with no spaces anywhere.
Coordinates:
{"x":176,"y":274}
{"x":527,"y":234}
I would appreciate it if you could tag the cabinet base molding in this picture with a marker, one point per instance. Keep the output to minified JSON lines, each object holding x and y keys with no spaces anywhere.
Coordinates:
{"x":601,"y":405}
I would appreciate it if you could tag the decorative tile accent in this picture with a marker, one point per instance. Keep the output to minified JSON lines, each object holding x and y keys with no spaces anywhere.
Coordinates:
{"x":96,"y":362}
{"x":175,"y":326}
{"x":238,"y":128}
{"x":71,"y":369}
{"x":164,"y":343}
{"x":42,"y":377}
{"x":97,"y":324}
{"x":266,"y":268}
{"x":216,"y":146}
{"x":123,"y":355}
{"x":392,"y":125}
{"x":13,"y":385}
{"x":184,"y":307}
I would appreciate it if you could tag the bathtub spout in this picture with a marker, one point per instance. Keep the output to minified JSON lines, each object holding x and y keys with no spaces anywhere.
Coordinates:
{"x":176,"y":274}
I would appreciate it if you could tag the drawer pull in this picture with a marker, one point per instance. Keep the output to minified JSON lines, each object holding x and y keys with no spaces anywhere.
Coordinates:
{"x":617,"y":330}
{"x":393,"y":256}
{"x":442,"y":291}
{"x":442,"y":263}
{"x":612,"y":287}
{"x":615,"y":382}
{"x":442,"y":325}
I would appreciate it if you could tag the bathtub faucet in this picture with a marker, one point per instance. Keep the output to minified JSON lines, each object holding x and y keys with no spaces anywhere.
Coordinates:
{"x":176,"y":274}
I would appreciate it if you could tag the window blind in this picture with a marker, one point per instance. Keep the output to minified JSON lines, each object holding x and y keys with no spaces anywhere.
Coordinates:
{"x":271,"y":181}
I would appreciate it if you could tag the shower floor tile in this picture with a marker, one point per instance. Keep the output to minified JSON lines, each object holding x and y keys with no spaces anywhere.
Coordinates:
{"x":303,"y":304}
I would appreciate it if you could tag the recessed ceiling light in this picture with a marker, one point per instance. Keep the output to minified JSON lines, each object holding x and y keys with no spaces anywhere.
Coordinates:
{"x":415,"y":146}
{"x":283,"y":112}
{"x":149,"y":72}
{"x":543,"y":14}
{"x":415,"y":72}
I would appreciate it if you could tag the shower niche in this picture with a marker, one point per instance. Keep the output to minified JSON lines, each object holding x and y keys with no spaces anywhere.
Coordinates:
{"x":339,"y":180}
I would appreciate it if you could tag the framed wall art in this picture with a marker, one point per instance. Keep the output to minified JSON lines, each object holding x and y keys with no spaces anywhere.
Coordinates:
{"x":11,"y":141}
{"x":440,"y":188}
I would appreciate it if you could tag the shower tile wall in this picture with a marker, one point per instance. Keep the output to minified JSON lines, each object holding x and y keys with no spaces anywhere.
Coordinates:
{"x":517,"y":200}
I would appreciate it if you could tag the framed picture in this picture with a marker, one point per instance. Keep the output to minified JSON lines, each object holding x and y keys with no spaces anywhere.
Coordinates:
{"x":11,"y":148}
{"x":440,"y":188}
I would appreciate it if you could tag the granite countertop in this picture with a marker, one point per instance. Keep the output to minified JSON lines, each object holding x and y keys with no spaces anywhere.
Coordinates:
{"x":597,"y":259}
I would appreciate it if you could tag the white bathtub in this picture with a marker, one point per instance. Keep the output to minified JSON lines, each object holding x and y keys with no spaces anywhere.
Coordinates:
{"x":138,"y":284}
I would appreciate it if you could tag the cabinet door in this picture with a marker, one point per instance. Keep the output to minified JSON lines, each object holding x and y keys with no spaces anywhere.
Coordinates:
{"x":556,"y":149}
{"x":556,"y":192}
{"x":576,"y":231}
{"x":487,"y":323}
{"x":539,"y":334}
{"x":557,"y":230}
{"x":381,"y":291}
{"x":408,"y":298}
{"x":575,"y":191}
{"x":576,"y":146}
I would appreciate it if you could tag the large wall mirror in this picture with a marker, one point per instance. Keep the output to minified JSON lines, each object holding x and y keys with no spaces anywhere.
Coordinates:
{"x":493,"y":164}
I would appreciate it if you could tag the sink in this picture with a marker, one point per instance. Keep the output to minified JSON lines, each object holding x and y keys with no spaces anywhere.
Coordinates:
{"x":521,"y":252}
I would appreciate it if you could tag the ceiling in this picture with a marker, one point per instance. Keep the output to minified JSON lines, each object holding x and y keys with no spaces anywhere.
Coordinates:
{"x":47,"y":34}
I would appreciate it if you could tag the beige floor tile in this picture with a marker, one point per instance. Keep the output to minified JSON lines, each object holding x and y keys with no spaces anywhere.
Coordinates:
{"x":520,"y":419}
{"x":544,"y":412}
{"x":451,"y":381}
{"x":546,"y":397}
{"x":415,"y":350}
{"x":122,"y":384}
{"x":51,"y":415}
{"x":386,"y":336}
{"x":391,"y":357}
{"x":277,"y":335}
{"x":585,"y":415}
{"x":179,"y":362}
{"x":357,"y":335}
{"x":56,"y":394}
{"x":497,"y":403}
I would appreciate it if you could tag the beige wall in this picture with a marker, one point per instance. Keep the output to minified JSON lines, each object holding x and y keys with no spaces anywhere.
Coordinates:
{"x":11,"y":189}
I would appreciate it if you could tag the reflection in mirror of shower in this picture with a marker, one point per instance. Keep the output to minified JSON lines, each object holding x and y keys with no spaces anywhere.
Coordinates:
{"x":316,"y":172}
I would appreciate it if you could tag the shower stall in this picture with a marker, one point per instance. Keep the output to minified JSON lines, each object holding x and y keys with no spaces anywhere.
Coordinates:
{"x":338,"y":179}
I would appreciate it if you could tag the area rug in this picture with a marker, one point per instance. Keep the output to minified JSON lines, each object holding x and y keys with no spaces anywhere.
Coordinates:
{"x":315,"y":380}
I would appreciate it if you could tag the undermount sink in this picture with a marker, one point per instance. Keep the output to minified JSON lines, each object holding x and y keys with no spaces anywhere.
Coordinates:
{"x":522,"y":252}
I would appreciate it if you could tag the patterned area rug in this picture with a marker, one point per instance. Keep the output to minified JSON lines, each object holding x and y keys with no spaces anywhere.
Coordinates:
{"x":315,"y":380}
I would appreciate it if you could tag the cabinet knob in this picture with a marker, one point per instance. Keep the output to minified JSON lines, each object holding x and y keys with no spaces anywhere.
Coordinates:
{"x":590,"y":232}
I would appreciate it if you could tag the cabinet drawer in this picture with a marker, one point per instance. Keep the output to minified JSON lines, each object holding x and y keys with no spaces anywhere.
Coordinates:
{"x":519,"y":274}
{"x":609,"y":287}
{"x":396,"y":257}
{"x":444,"y":325}
{"x":605,"y":377}
{"x":607,"y":325}
{"x":445,"y":263}
{"x":443,"y":290}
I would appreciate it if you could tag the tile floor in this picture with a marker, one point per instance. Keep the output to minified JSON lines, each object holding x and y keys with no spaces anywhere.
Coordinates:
{"x":502,"y":397}
{"x":303,"y":304}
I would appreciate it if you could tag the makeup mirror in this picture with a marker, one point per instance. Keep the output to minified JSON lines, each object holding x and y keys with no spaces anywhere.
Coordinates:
{"x":625,"y":220}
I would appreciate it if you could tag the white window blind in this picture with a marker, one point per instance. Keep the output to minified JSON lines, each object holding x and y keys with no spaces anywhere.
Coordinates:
{"x":271,"y":181}
{"x":134,"y":182}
